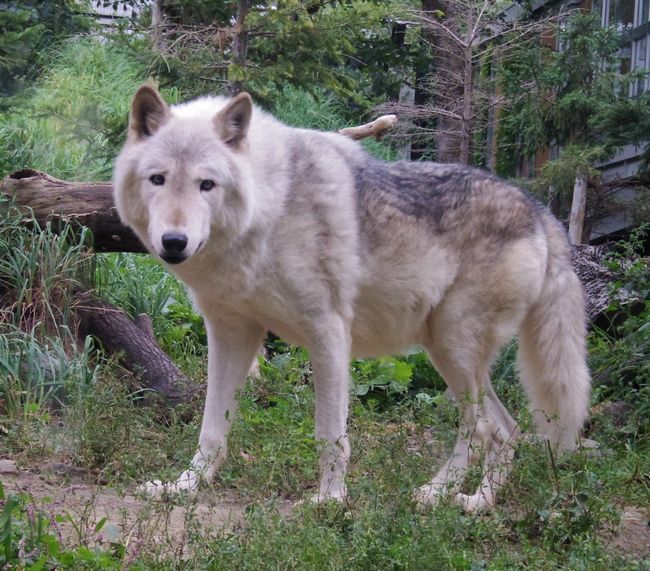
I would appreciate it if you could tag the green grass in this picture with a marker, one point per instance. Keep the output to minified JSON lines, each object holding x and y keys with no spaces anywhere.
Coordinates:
{"x":301,"y":109}
{"x":72,"y":122}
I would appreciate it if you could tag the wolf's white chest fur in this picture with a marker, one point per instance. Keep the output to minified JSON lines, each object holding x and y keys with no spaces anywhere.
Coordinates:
{"x":389,"y":301}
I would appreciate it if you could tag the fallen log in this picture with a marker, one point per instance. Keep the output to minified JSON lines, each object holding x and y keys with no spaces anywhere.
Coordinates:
{"x":44,"y":199}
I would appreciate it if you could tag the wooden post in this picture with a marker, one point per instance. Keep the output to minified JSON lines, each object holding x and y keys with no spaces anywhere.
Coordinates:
{"x":578,"y":209}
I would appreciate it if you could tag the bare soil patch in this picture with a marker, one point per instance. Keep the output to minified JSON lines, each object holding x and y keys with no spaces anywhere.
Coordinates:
{"x":131,"y":519}
{"x":633,"y":536}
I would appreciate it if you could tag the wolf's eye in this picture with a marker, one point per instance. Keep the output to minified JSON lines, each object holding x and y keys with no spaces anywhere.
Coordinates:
{"x":157,"y":179}
{"x":207,"y":185}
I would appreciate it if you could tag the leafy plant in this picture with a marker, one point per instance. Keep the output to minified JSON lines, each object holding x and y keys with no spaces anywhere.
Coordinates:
{"x":388,"y":373}
{"x":73,"y":121}
{"x":621,"y":356}
{"x":30,"y":539}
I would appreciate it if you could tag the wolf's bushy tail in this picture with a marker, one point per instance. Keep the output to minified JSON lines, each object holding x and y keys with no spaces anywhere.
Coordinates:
{"x":552,"y":356}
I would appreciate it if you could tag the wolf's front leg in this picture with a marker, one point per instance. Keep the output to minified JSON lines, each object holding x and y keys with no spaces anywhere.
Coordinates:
{"x":231,"y":349}
{"x":330,"y":356}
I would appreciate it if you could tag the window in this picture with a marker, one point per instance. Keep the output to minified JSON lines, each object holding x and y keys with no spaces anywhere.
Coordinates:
{"x":643,"y":12}
{"x":620,"y":14}
{"x":630,"y":17}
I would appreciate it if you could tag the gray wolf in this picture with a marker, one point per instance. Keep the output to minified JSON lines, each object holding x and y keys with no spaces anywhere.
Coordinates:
{"x":303,"y":233}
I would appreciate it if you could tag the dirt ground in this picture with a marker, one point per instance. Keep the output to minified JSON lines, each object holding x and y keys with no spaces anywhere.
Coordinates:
{"x":58,"y":488}
{"x":130,"y":518}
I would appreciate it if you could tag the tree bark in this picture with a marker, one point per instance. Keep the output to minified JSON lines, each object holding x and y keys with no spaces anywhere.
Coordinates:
{"x":45,"y":199}
{"x":135,"y":343}
{"x":445,"y":68}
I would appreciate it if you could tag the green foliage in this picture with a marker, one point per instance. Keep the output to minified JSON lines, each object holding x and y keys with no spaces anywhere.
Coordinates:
{"x":561,"y":97}
{"x":391,"y":374}
{"x":34,"y":374}
{"x":272,"y":447}
{"x":139,"y":444}
{"x":560,"y":174}
{"x":311,"y":47}
{"x":30,"y":539}
{"x":39,"y":271}
{"x":621,"y":356}
{"x":39,"y":355}
{"x":317,"y":109}
{"x":28,"y":30}
{"x":342,"y":47}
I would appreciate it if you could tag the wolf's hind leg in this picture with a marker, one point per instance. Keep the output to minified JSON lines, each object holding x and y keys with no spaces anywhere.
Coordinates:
{"x":231,"y":349}
{"x":462,"y":350}
{"x":498,"y":457}
{"x":474,"y":428}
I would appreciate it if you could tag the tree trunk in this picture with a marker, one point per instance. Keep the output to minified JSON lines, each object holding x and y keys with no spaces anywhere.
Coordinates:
{"x":158,"y":23}
{"x":240,"y":43}
{"x":448,"y":88}
{"x":466,"y":128}
{"x":47,"y":199}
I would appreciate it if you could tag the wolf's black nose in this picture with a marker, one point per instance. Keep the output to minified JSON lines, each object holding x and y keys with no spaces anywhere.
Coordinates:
{"x":174,"y":243}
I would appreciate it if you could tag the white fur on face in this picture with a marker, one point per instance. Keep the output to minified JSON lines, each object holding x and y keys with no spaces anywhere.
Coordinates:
{"x":185,"y":151}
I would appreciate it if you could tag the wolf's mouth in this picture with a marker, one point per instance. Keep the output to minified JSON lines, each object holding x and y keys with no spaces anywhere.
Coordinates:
{"x":172,"y":259}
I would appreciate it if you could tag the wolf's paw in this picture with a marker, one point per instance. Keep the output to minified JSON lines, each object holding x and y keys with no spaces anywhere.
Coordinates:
{"x":187,"y":483}
{"x":429,"y":495}
{"x":319,"y":499}
{"x":474,"y":503}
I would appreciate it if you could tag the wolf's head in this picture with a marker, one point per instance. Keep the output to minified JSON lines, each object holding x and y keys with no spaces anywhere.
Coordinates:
{"x":181,"y":176}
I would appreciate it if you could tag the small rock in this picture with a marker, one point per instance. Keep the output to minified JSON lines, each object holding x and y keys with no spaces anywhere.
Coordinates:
{"x":8,"y":467}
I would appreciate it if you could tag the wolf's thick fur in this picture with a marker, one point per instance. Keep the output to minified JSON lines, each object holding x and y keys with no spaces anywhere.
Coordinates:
{"x":305,"y":234}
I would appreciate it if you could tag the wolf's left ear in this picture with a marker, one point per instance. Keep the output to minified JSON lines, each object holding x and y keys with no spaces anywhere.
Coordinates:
{"x":233,"y":120}
{"x":148,"y":112}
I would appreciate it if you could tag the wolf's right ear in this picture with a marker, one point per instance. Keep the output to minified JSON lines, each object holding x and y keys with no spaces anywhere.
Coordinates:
{"x":233,"y":120}
{"x":148,"y":112}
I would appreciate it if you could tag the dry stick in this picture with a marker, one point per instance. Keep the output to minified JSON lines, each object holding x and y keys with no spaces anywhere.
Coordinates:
{"x":375,"y":128}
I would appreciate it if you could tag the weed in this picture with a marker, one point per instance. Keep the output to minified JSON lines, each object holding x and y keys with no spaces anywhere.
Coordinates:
{"x":272,"y":448}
